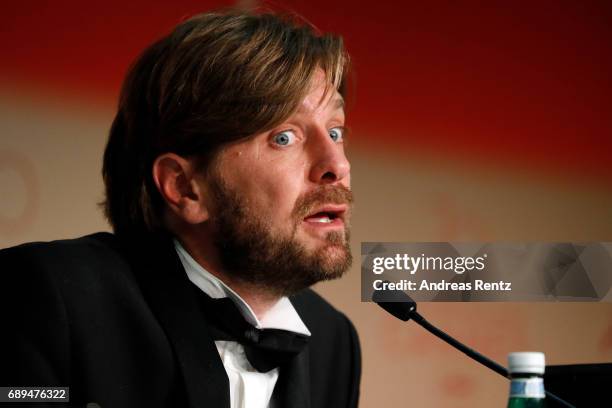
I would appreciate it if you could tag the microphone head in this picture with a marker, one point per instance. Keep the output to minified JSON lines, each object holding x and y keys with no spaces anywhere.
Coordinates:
{"x":396,"y":302}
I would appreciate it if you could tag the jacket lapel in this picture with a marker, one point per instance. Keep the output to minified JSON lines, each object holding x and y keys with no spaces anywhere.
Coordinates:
{"x":293,"y":386}
{"x":168,"y":291}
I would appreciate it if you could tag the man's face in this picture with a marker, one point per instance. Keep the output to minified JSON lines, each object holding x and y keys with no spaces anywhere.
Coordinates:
{"x":281,"y":199}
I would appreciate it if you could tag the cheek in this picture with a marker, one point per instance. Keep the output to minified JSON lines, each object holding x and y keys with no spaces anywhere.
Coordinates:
{"x":280,"y":177}
{"x":271,"y":184}
{"x":280,"y":192}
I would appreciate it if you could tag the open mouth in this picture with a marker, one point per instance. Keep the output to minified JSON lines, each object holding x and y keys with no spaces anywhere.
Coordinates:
{"x":322,"y":217}
{"x":328,"y":215}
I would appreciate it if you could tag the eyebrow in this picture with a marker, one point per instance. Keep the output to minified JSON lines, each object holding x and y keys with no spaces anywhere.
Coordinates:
{"x":339,"y":102}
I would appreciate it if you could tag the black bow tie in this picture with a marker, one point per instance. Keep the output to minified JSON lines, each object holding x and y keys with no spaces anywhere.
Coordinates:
{"x":265,"y":348}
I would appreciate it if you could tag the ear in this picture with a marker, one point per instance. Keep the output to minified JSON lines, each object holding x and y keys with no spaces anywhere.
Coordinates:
{"x":176,"y":180}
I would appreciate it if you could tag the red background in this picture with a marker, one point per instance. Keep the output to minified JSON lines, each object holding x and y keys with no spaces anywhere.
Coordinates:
{"x":511,"y":83}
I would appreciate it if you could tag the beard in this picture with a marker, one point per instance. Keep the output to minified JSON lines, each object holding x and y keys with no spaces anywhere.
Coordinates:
{"x":279,"y":264}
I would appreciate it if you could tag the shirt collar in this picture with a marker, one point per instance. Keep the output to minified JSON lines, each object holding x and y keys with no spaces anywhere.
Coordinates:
{"x":280,"y":316}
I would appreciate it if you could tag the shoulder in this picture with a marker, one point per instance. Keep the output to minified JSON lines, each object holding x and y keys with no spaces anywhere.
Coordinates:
{"x":67,"y":265}
{"x":86,"y":252}
{"x":101,"y":243}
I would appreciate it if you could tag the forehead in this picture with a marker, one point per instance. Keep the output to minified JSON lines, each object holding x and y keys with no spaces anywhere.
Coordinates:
{"x":331,"y":102}
{"x":321,"y":95}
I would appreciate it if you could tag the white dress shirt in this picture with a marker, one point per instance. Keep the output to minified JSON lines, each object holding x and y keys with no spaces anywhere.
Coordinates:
{"x":248,"y":387}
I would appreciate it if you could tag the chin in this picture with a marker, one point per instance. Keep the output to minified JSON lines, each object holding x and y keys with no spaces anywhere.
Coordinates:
{"x":318,"y":242}
{"x":334,"y":250}
{"x":335,"y":258}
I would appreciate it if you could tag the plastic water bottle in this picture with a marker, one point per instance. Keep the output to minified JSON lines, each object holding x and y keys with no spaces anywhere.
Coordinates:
{"x":526,"y":370}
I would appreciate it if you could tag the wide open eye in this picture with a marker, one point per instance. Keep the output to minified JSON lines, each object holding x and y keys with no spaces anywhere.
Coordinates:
{"x":336,"y":134}
{"x":284,"y":138}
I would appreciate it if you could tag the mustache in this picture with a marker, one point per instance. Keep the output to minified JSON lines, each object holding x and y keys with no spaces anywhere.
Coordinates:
{"x":322,"y":195}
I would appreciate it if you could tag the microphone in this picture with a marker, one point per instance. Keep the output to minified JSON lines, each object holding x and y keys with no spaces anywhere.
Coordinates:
{"x":400,"y":305}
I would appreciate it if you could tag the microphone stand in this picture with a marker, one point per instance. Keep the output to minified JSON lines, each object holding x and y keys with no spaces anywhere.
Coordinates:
{"x":400,"y":305}
{"x":459,"y":346}
{"x":487,"y":362}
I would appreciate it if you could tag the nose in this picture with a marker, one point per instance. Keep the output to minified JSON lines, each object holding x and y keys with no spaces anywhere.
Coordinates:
{"x":329,"y":162}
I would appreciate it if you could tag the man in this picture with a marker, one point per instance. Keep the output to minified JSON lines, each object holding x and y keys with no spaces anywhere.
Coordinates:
{"x":228,"y":190}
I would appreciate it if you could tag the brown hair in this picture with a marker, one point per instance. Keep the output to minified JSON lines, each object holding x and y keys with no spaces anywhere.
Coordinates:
{"x":217,"y":78}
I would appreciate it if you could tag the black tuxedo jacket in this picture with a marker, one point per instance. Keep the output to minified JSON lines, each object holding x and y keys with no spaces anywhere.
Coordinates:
{"x":119,"y":323}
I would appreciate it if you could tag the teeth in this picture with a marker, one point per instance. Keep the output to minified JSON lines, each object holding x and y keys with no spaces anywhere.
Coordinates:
{"x":324,"y":220}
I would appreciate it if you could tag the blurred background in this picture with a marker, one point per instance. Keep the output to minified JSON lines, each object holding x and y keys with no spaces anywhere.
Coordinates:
{"x":471,"y":121}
